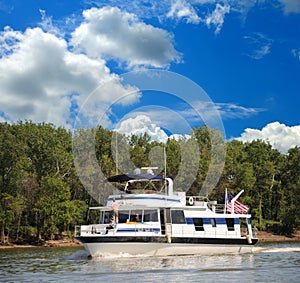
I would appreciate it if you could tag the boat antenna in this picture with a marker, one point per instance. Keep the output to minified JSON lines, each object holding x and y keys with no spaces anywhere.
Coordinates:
{"x":116,"y":153}
{"x":165,"y":162}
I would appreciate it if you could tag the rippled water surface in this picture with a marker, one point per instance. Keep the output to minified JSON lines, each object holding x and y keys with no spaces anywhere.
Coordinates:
{"x":270,"y":262}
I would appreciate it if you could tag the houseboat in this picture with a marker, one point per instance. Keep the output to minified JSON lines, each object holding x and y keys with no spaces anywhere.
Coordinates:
{"x":148,"y":218}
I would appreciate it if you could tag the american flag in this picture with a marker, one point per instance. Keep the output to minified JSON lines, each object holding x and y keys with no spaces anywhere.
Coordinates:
{"x":239,"y":207}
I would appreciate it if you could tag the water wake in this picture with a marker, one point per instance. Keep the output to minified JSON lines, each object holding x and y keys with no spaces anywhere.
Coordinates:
{"x":78,"y":255}
{"x":275,"y":250}
{"x":119,"y":255}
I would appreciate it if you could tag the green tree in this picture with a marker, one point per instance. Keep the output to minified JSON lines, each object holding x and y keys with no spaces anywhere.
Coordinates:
{"x":290,"y":203}
{"x":13,"y":173}
{"x":52,"y":205}
{"x":265,"y":167}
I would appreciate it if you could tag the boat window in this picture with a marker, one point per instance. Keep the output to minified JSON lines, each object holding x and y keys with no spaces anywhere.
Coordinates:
{"x":198,"y":222}
{"x":150,"y":216}
{"x":177,"y":217}
{"x":213,"y":222}
{"x":230,"y":224}
{"x":123,"y":216}
{"x":136,"y":216}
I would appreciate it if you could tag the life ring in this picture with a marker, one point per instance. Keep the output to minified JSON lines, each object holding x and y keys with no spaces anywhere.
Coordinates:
{"x":191,"y":201}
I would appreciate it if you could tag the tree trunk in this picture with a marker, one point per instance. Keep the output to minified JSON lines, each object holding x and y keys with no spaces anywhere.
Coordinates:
{"x":260,"y":210}
{"x":3,"y":233}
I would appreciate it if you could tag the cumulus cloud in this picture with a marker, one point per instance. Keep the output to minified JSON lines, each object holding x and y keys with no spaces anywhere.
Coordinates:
{"x":44,"y":79}
{"x":142,"y":124}
{"x":116,"y":34}
{"x":178,"y":122}
{"x":41,"y":79}
{"x":279,"y":135}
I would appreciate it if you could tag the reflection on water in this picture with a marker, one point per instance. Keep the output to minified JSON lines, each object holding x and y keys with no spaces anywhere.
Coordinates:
{"x":272,"y":262}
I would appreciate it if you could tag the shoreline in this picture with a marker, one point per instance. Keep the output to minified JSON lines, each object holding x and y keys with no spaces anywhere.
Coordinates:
{"x":263,"y":237}
{"x":46,"y":244}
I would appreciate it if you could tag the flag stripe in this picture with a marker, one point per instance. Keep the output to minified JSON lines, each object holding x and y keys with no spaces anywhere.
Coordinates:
{"x":239,"y":207}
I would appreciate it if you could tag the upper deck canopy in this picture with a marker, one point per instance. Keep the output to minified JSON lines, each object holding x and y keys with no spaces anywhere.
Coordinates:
{"x":127,"y":177}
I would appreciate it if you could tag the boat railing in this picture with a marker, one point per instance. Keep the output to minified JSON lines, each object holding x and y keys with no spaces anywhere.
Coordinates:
{"x":215,"y":207}
{"x":204,"y":201}
{"x":94,"y":229}
{"x":77,"y":231}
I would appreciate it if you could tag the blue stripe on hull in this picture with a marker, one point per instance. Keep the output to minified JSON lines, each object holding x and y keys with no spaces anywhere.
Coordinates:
{"x":130,"y":230}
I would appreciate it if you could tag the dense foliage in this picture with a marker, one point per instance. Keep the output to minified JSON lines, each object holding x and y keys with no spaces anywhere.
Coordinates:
{"x":41,"y":196}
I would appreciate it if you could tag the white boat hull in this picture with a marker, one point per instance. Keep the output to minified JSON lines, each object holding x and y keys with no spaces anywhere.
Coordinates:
{"x":163,"y":249}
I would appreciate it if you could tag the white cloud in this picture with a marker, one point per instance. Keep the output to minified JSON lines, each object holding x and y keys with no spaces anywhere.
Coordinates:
{"x":174,"y":121}
{"x":235,"y":111}
{"x":209,"y":12}
{"x":227,"y":111}
{"x":48,"y":26}
{"x":180,"y":120}
{"x":290,"y":6}
{"x":41,"y":79}
{"x":279,"y":135}
{"x":216,"y":18}
{"x":296,"y":53}
{"x":141,"y":124}
{"x":181,"y":9}
{"x":184,"y":10}
{"x":205,"y":1}
{"x":120,"y":35}
{"x":259,"y":45}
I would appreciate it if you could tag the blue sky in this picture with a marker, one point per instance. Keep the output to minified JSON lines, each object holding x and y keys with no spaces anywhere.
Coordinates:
{"x":60,"y":59}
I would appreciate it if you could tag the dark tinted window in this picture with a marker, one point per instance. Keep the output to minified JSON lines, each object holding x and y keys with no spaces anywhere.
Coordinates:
{"x":230,"y":224}
{"x":123,"y":216}
{"x":198,"y":222}
{"x":177,"y":217}
{"x":150,"y":216}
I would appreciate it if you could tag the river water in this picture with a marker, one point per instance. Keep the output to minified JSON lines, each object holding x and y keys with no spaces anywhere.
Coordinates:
{"x":276,"y":262}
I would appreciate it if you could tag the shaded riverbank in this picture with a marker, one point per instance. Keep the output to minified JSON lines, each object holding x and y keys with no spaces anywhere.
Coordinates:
{"x":50,"y":243}
{"x":269,"y":237}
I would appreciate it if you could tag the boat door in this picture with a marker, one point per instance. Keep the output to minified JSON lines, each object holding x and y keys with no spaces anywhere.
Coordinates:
{"x":165,"y":220}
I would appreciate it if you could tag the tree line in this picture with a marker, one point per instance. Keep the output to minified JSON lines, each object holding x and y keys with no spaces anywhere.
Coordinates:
{"x":42,"y":196}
